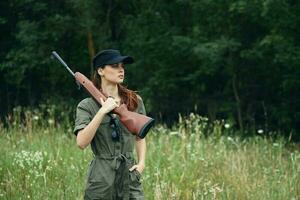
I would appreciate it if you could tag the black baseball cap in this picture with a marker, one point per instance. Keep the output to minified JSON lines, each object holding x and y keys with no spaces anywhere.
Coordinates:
{"x":109,"y":57}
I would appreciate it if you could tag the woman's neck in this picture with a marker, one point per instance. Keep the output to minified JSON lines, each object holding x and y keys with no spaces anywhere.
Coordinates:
{"x":110,"y":89}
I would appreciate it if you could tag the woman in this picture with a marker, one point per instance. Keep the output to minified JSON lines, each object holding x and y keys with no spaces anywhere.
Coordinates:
{"x":113,"y":173}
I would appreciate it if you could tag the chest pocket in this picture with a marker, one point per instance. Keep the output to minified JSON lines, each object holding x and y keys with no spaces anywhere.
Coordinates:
{"x":105,"y":124}
{"x":105,"y":120}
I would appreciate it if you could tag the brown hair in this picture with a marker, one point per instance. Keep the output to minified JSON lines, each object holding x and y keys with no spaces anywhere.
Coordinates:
{"x":128,"y":97}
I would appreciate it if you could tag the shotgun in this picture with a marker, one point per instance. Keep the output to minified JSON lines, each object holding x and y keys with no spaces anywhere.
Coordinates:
{"x":136,"y":123}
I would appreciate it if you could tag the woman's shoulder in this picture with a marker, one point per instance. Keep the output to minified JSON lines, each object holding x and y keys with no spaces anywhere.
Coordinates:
{"x":140,"y":107}
{"x":87,"y":103}
{"x":139,"y":98}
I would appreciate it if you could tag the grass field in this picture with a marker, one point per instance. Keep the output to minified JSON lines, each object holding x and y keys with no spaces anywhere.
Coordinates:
{"x":193,"y":160}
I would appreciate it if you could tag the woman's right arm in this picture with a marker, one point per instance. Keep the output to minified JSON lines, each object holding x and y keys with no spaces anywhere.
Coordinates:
{"x":85,"y":136}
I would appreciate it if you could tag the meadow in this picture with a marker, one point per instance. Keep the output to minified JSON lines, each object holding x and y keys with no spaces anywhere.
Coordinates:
{"x":195,"y":159}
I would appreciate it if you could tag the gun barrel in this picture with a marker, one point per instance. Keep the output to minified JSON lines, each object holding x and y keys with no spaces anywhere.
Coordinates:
{"x":62,"y":62}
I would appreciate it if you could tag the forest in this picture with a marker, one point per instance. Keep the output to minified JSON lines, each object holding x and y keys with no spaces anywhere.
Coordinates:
{"x":233,"y":60}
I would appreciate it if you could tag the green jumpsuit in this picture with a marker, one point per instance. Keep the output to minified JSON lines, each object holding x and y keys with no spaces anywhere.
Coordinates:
{"x":108,"y":176}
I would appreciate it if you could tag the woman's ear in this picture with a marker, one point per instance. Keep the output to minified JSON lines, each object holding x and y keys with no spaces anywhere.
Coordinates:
{"x":100,"y":71}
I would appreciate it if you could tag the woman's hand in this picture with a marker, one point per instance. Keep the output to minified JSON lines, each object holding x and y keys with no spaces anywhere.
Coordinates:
{"x":139,"y":167}
{"x":108,"y":105}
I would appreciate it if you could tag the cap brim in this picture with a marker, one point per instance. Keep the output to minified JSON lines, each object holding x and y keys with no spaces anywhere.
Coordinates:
{"x":121,"y":59}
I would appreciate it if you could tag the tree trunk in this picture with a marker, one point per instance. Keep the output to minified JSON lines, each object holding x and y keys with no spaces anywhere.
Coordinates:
{"x":91,"y":49}
{"x":211,"y":110}
{"x":265,"y":116}
{"x":8,"y":103}
{"x":238,"y":103}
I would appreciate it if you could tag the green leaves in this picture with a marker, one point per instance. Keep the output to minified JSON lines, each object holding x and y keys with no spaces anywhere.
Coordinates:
{"x":224,"y":57}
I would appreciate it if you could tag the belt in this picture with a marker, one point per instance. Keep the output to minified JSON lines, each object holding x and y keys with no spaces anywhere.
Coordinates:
{"x":117,"y":161}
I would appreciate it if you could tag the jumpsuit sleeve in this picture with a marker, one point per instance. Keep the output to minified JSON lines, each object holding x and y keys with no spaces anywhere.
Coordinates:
{"x":141,"y":107}
{"x":83,"y":116}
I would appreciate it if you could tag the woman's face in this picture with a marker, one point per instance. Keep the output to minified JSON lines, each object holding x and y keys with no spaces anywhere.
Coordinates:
{"x":112,"y":73}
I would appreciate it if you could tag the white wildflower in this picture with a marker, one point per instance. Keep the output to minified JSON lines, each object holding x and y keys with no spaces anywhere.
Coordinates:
{"x":46,"y":131}
{"x":260,"y":131}
{"x":173,"y":133}
{"x":227,"y":126}
{"x":205,"y":118}
{"x":201,"y":159}
{"x":35,"y":117}
{"x":29,"y":161}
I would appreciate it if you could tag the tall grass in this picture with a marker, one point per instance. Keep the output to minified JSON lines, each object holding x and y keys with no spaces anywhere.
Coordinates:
{"x":196,"y":159}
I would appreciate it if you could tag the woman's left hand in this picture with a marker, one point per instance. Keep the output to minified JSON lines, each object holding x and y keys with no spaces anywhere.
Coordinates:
{"x":139,"y":167}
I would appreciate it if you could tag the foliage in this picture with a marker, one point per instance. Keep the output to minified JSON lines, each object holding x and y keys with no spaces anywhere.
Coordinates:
{"x":229,"y":59}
